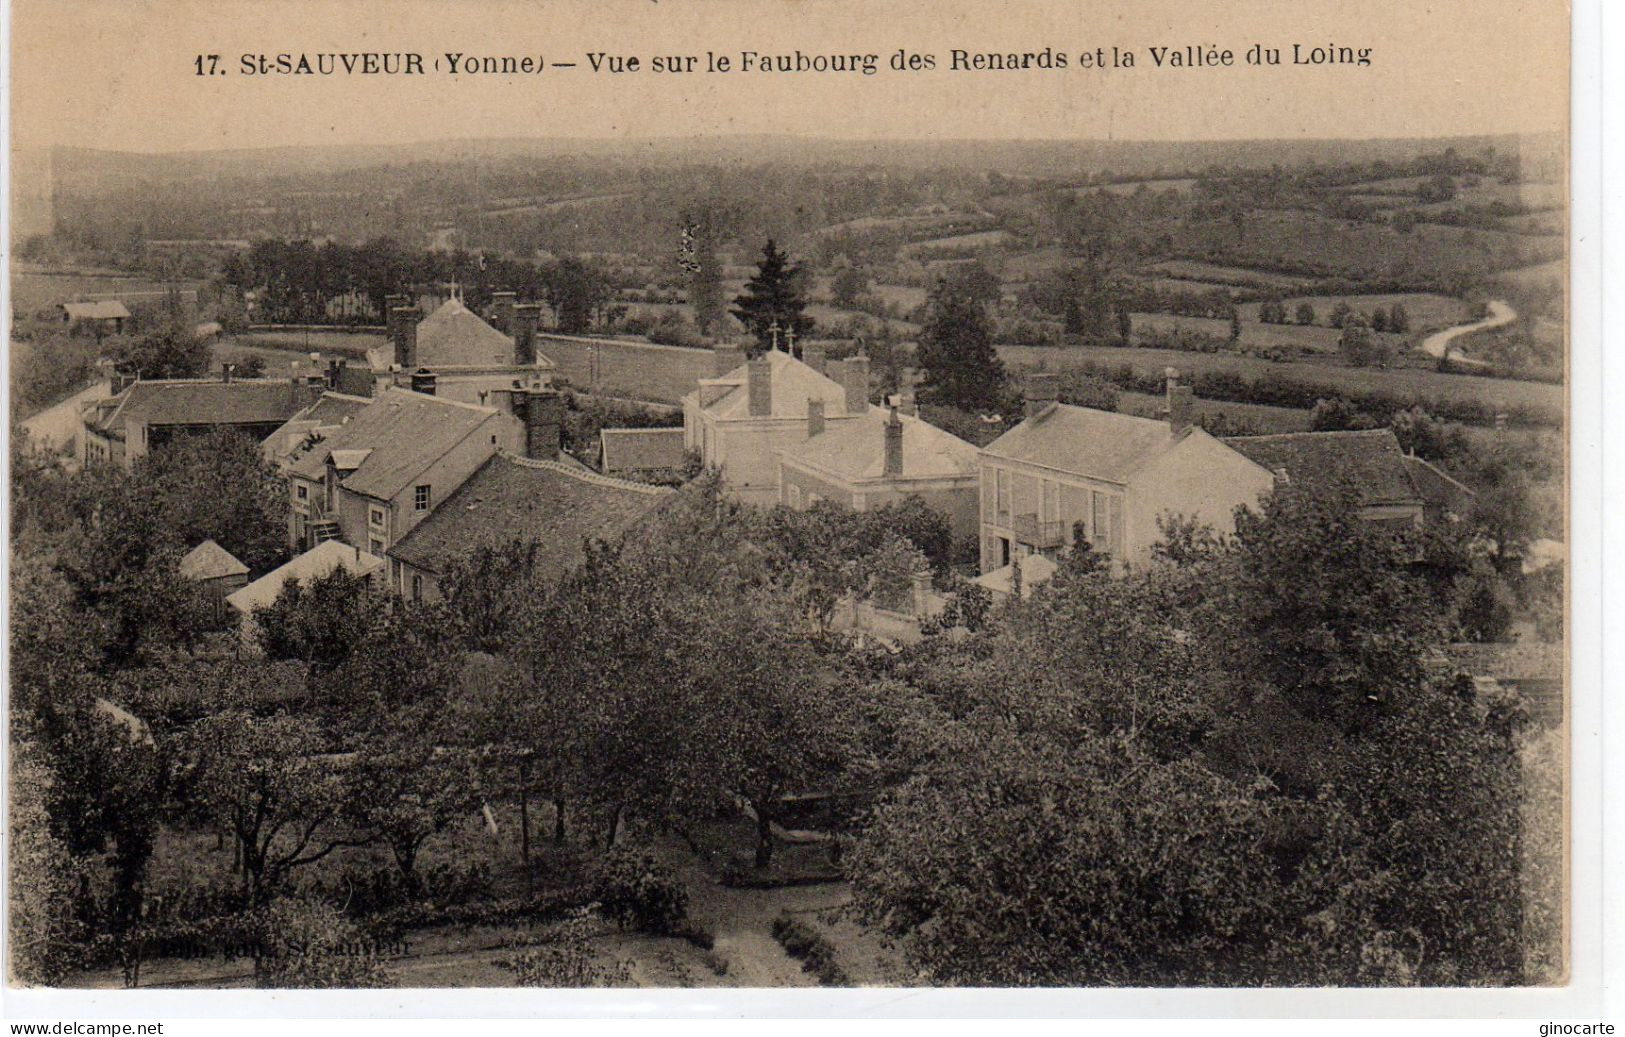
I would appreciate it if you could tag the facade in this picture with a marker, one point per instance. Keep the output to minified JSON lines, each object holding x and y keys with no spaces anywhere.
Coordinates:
{"x":144,"y":415}
{"x":1369,"y":462}
{"x":368,"y":482}
{"x":557,"y":506}
{"x":740,"y":420}
{"x":455,"y":354}
{"x":882,"y":457}
{"x":1111,"y":475}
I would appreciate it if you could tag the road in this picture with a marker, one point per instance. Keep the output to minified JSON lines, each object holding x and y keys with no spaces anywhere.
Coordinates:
{"x":1438,"y":343}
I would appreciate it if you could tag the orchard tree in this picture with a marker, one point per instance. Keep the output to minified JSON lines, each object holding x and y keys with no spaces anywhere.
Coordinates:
{"x":174,"y":350}
{"x":1306,"y":313}
{"x":773,"y":297}
{"x":956,"y":351}
{"x":848,"y":286}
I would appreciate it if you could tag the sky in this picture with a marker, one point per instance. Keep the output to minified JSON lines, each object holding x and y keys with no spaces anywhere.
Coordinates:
{"x":121,"y":74}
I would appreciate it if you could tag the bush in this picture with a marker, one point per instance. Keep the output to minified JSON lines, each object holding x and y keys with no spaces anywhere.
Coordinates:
{"x":306,"y":943}
{"x":816,"y":954}
{"x":564,"y":959}
{"x":637,"y":892}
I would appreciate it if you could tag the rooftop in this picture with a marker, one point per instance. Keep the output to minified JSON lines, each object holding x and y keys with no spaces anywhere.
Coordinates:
{"x":793,"y":384}
{"x":200,"y":401}
{"x":403,"y":432}
{"x":1097,"y":443}
{"x":511,"y":498}
{"x":856,"y":450}
{"x":641,"y":449}
{"x":210,"y":561}
{"x":1035,"y":571}
{"x":1370,"y":460}
{"x":313,"y":564}
{"x":103,"y":309}
{"x":455,"y":336}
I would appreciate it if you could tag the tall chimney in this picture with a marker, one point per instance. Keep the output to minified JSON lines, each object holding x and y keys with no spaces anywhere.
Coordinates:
{"x":759,"y":386}
{"x":906,"y":401}
{"x":1038,"y":393}
{"x":296,"y":386}
{"x":524,"y":318}
{"x":543,"y":414}
{"x":502,"y":311}
{"x":423,"y":381}
{"x":405,"y":336}
{"x":894,"y":446}
{"x":391,"y":304}
{"x":1181,"y":402}
{"x":855,"y":379}
{"x":724,"y":359}
{"x":815,"y":416}
{"x":813,"y":357}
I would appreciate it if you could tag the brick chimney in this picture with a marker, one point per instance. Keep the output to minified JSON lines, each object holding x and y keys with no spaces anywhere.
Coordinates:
{"x":1038,"y":393}
{"x":391,"y":304}
{"x":813,"y":357}
{"x":815,"y":416}
{"x":759,"y":386}
{"x":423,"y":381}
{"x":855,"y":379}
{"x":296,"y":385}
{"x":893,"y":465}
{"x":906,"y":402}
{"x":542,"y":411}
{"x":724,"y":359}
{"x":502,"y":304}
{"x":524,"y":319}
{"x":404,"y":334}
{"x":1181,"y":403}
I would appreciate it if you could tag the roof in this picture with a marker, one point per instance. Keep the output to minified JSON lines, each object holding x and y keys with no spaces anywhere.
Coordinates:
{"x":1035,"y":570}
{"x":197,"y":401}
{"x":1510,"y":660}
{"x":210,"y":561}
{"x":104,"y":309}
{"x":312,"y":565}
{"x":793,"y":384}
{"x":1097,"y":443}
{"x":455,"y":336}
{"x":1437,"y":488}
{"x":405,"y":433}
{"x":1369,"y":459}
{"x":641,"y":449}
{"x":511,"y":498}
{"x":857,"y":449}
{"x":329,"y":411}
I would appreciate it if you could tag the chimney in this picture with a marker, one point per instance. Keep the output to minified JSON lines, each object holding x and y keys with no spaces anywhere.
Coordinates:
{"x":813,"y":357}
{"x":724,"y":359}
{"x":815,"y":416}
{"x":1181,"y":401}
{"x":894,"y":446}
{"x":296,"y":385}
{"x":1038,"y":393}
{"x":333,"y":373}
{"x":405,"y":336}
{"x":423,"y":381}
{"x":391,"y":304}
{"x":502,"y":305}
{"x":524,"y":318}
{"x":226,"y":371}
{"x":855,"y":378}
{"x":906,"y":402}
{"x":759,"y":386}
{"x":542,"y":411}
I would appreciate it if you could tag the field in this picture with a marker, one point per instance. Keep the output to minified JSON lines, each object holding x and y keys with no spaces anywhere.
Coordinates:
{"x":1179,"y":186}
{"x":1267,"y":420}
{"x":1537,"y":397}
{"x":1254,"y":335}
{"x":1215,"y":274}
{"x":34,"y":289}
{"x":1427,"y":312}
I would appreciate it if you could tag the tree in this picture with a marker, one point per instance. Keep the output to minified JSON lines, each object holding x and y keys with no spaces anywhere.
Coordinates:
{"x":309,"y":944}
{"x":1399,"y":322}
{"x":484,"y":589}
{"x":218,"y":486}
{"x":705,"y":276}
{"x":1358,"y":346}
{"x":956,"y":350}
{"x":773,"y":297}
{"x":1340,"y":314}
{"x":847,"y":286}
{"x":1379,"y":319}
{"x":1235,"y":326}
{"x":318,"y":624}
{"x":1306,"y":313}
{"x":576,"y":290}
{"x":564,"y":958}
{"x":174,"y":350}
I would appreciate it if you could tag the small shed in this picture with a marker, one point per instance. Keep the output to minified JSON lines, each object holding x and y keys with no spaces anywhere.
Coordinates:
{"x":216,"y":570}
{"x":646,"y":454}
{"x":110,"y":314}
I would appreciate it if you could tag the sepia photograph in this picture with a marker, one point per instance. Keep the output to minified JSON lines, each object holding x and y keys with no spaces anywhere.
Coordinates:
{"x":788,"y":495}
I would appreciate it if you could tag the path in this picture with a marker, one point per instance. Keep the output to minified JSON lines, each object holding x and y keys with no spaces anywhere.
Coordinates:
{"x":1438,"y":343}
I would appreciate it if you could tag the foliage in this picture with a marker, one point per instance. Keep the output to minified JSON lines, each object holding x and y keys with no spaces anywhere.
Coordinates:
{"x":774,"y":296}
{"x":816,"y":954}
{"x":484,"y":589}
{"x":171,"y":351}
{"x":636,"y":892}
{"x":219,"y":486}
{"x":45,"y":935}
{"x":564,"y":959}
{"x":576,"y":290}
{"x":956,"y":349}
{"x":318,"y":624}
{"x":308,"y":944}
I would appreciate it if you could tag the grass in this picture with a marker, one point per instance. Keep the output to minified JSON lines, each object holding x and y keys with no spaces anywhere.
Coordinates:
{"x":1253,"y":334}
{"x":1266,"y":420}
{"x":1427,"y":311}
{"x":33,"y":290}
{"x":1219,"y":275}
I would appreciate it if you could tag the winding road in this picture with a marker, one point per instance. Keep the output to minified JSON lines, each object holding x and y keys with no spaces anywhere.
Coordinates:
{"x":1438,"y":343}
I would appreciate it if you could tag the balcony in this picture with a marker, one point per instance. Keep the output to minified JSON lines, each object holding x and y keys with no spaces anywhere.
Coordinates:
{"x":1041,"y":535}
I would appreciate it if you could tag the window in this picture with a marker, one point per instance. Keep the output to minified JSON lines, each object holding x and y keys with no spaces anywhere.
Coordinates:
{"x":1002,"y":478}
{"x":417,"y":587}
{"x":375,"y":547}
{"x":375,"y":516}
{"x":302,"y":491}
{"x":1098,"y":524}
{"x":420,"y":498}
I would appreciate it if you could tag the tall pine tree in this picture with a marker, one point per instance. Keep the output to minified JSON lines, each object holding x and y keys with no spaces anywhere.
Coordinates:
{"x":773,"y":296}
{"x":956,"y":349}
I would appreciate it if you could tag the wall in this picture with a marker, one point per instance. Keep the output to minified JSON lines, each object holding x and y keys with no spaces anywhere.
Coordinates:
{"x":56,"y":428}
{"x":636,"y":370}
{"x":749,"y":454}
{"x":1200,"y":478}
{"x":1073,"y":503}
{"x":959,"y":503}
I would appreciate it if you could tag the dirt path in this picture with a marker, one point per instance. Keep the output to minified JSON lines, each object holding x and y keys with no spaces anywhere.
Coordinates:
{"x":1438,"y":343}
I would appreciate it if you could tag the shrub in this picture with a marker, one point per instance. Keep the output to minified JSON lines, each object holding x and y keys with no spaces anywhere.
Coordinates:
{"x":564,"y":959}
{"x":306,"y":943}
{"x":637,"y":892}
{"x":816,"y":954}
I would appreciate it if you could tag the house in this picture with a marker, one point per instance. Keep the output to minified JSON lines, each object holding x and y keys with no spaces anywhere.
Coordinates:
{"x":108,"y":315}
{"x":739,"y":420}
{"x":1114,"y":476}
{"x":57,"y":429}
{"x":1444,"y":499}
{"x":369,"y":481}
{"x":644,"y":454}
{"x":1532,"y":669}
{"x":144,"y":415}
{"x":330,"y":412}
{"x":455,"y":354}
{"x":556,"y":505}
{"x":314,"y":564}
{"x":216,"y":570}
{"x":1368,"y":461}
{"x":884,"y":456}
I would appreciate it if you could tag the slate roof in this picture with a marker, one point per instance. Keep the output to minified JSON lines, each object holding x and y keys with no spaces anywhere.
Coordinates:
{"x":313,"y":564}
{"x":641,"y":449}
{"x":405,"y":433}
{"x":793,"y":383}
{"x":330,"y":411}
{"x":856,"y":450}
{"x":1084,"y":441}
{"x":195,"y":401}
{"x":455,"y":336}
{"x":103,"y":309}
{"x":1509,"y":661}
{"x":1437,"y":488}
{"x":1370,"y":460}
{"x":511,"y":498}
{"x":210,"y":561}
{"x":1035,"y":571}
